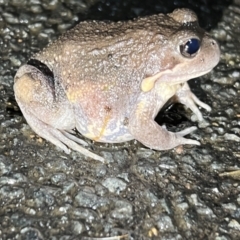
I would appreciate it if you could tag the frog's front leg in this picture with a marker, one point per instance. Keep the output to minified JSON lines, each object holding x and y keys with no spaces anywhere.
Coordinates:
{"x":185,"y":96}
{"x":47,"y":110}
{"x":144,"y":129}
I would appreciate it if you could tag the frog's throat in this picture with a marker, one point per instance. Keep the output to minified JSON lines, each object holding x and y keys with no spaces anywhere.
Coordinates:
{"x":170,"y":77}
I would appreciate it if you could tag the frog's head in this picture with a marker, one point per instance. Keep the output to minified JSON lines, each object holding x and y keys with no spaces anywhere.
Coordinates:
{"x":187,"y":52}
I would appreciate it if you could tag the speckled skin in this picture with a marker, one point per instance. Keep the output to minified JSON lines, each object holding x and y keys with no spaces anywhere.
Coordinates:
{"x":110,"y":79}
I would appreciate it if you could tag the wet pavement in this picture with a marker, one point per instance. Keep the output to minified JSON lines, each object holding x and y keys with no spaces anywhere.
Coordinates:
{"x":184,"y":193}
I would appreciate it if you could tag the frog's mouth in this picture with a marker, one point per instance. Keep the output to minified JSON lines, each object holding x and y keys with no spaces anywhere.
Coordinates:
{"x":169,"y":76}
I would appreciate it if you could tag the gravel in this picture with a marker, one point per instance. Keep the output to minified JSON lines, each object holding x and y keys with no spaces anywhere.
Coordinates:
{"x":185,"y":193}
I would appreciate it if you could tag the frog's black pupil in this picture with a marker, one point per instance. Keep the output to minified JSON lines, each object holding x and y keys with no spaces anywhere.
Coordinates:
{"x":192,"y":46}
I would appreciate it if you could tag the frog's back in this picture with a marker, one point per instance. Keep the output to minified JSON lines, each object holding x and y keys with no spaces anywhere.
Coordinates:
{"x":107,"y":52}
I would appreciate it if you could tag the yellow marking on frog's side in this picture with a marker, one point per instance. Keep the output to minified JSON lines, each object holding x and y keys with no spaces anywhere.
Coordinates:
{"x":107,"y":87}
{"x":25,"y":87}
{"x":148,"y":83}
{"x":102,"y":130}
{"x":141,"y":113}
{"x":74,"y":94}
{"x":90,"y":133}
{"x":140,"y":108}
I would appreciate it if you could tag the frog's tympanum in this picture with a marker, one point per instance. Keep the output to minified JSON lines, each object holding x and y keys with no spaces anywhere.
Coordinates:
{"x":110,"y":79}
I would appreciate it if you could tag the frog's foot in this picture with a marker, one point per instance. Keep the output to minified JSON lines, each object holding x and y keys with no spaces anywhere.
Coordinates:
{"x":154,"y":136}
{"x":185,"y":96}
{"x":72,"y":142}
{"x":60,"y":138}
{"x":186,"y":132}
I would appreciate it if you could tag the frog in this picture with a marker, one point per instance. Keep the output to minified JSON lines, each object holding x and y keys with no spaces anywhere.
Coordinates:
{"x":108,"y":81}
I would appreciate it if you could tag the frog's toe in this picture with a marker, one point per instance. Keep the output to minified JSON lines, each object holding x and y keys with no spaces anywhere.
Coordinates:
{"x":201,"y":104}
{"x":61,"y":138}
{"x":190,"y":100}
{"x":189,"y":142}
{"x":186,"y":131}
{"x":180,"y":135}
{"x":72,"y":142}
{"x":69,"y":134}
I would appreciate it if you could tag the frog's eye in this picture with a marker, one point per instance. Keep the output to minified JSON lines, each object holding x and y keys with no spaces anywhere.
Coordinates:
{"x":190,"y":48}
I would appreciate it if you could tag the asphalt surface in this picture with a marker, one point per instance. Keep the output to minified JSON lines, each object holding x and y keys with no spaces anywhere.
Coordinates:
{"x":191,"y":192}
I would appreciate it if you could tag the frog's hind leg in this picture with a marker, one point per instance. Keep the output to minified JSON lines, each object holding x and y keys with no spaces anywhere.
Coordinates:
{"x":44,"y":105}
{"x":60,"y":138}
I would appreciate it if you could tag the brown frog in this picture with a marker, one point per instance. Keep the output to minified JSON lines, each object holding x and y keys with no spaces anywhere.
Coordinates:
{"x":110,"y":79}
